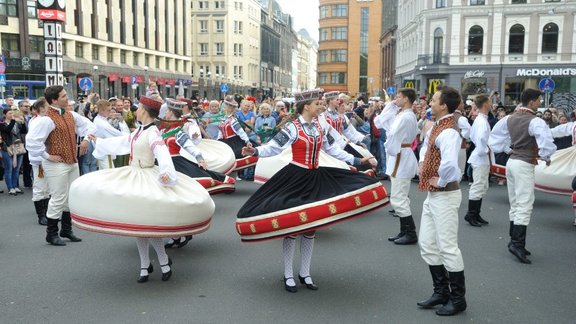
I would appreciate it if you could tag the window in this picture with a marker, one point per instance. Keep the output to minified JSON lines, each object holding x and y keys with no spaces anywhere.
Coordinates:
{"x":8,"y":8}
{"x":202,"y":5}
{"x":440,"y":3}
{"x":323,"y":78}
{"x":323,"y":12}
{"x":122,"y":57}
{"x":219,"y":26}
{"x":109,"y":55}
{"x":146,"y":59}
{"x":11,"y":42}
{"x":79,"y":49}
{"x":475,"y":40}
{"x":32,"y":12}
{"x":516,"y":40}
{"x":236,"y":24}
{"x":37,"y":44}
{"x":324,"y":34}
{"x":438,"y":45}
{"x":550,"y":38}
{"x":323,"y":56}
{"x":338,"y":78}
{"x":203,"y":49}
{"x":219,"y":4}
{"x":518,"y":1}
{"x":340,"y":10}
{"x":340,"y":33}
{"x":95,"y":52}
{"x":240,"y":24}
{"x":135,"y":58}
{"x":238,"y":49}
{"x":339,"y":55}
{"x":220,"y":49}
{"x":157,"y":62}
{"x":203,"y":26}
{"x":477,"y":2}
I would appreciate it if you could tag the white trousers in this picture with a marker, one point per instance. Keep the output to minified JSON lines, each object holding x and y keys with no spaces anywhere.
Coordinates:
{"x":107,"y":163}
{"x":39,"y":186}
{"x":438,"y":237}
{"x":479,"y":187}
{"x":462,"y":161}
{"x":400,"y":188}
{"x":59,"y":177}
{"x":520,"y":178}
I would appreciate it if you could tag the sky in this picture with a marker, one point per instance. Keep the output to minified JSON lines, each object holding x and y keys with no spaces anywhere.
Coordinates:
{"x":305,"y":14}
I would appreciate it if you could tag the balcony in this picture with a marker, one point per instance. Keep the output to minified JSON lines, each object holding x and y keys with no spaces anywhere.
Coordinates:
{"x":433,"y":59}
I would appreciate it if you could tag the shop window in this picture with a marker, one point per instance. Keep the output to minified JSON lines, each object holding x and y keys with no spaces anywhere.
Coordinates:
{"x":475,"y":40}
{"x":471,"y":86}
{"x":438,"y":45}
{"x":516,"y":40}
{"x":550,"y":38}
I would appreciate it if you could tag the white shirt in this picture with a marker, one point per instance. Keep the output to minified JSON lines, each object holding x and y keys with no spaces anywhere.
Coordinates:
{"x":386,"y":117}
{"x":479,"y":135}
{"x":464,"y":126}
{"x":31,"y":124}
{"x":273,"y":148}
{"x":36,"y":137}
{"x":191,"y":128}
{"x":402,"y":131}
{"x":500,"y":140}
{"x":449,"y":142}
{"x":568,"y":129}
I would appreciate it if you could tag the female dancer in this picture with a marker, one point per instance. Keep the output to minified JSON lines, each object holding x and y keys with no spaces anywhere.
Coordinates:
{"x":302,"y":197}
{"x":231,"y":132}
{"x":148,"y":192}
{"x":184,"y":133}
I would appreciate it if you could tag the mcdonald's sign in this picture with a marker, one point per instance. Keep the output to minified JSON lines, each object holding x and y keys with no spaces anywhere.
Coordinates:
{"x":409,"y":84}
{"x":434,"y":85}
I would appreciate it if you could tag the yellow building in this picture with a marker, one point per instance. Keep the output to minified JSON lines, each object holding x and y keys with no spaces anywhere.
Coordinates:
{"x":349,"y":54}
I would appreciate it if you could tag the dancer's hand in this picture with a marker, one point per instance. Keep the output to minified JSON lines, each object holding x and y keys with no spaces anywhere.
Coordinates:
{"x":203,"y":164}
{"x":248,"y":150}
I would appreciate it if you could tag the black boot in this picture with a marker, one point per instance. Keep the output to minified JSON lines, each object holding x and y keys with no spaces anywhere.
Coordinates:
{"x":510,"y":243}
{"x":67,"y":228}
{"x":401,"y":234}
{"x":457,"y":302}
{"x":409,"y":228}
{"x":40,"y":212}
{"x":45,"y":207}
{"x":518,"y":242}
{"x":441,"y":287}
{"x":472,"y":214}
{"x":52,"y":233}
{"x":479,"y":218}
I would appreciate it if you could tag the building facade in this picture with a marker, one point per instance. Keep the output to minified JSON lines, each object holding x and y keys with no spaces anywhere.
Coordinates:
{"x":482,"y":46}
{"x":119,"y":44}
{"x":349,"y":58}
{"x":279,"y":42}
{"x":225,"y":47}
{"x":388,"y":43}
{"x":304,"y":70}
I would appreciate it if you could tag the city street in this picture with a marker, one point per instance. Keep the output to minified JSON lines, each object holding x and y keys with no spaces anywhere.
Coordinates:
{"x":363,"y":278}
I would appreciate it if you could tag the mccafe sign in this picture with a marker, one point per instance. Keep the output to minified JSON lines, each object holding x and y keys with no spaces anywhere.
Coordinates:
{"x":546,"y":72}
{"x":474,"y":74}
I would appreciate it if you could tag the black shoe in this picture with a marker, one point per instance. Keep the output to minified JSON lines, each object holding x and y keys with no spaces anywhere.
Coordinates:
{"x":150,"y":269}
{"x":167,"y":275}
{"x":441,"y":287}
{"x":394,"y":238}
{"x":42,"y":221}
{"x":70,"y":236}
{"x":470,"y":218}
{"x":518,"y":243}
{"x":457,"y":301}
{"x":311,"y":286}
{"x":288,"y":288}
{"x":55,"y":240}
{"x":482,"y":220}
{"x":186,"y":240}
{"x":408,"y":227}
{"x":171,"y":243}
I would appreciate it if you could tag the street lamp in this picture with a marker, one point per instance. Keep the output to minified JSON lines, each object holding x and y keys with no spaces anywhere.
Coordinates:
{"x":209,"y":74}
{"x":96,"y":77}
{"x":201,"y":84}
{"x":146,"y":80}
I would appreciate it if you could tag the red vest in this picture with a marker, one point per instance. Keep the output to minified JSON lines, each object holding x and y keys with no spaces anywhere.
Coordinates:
{"x":335,"y":122}
{"x":226,"y":128}
{"x":306,"y":149}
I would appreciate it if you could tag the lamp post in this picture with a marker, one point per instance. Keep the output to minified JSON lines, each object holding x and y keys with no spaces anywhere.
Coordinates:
{"x":201,"y":85}
{"x":146,"y":80}
{"x":96,"y":77}
{"x":209,"y":85}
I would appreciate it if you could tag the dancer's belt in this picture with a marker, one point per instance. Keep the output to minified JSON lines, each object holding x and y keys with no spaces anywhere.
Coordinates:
{"x":397,"y":164}
{"x":451,"y":186}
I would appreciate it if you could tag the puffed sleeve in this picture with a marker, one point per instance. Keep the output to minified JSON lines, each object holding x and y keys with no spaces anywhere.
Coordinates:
{"x":284,"y":138}
{"x":160,"y":150}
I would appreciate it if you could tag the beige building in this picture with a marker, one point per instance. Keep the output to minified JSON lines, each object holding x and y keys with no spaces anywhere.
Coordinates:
{"x":304,"y":63}
{"x":117,"y":43}
{"x":348,"y":54}
{"x":225,"y":47}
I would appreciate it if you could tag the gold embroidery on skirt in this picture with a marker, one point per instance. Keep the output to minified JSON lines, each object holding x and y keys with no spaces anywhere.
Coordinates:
{"x":252,"y":228}
{"x":358,"y":201}
{"x":333,"y":209}
{"x":303,"y":217}
{"x":275,"y":223}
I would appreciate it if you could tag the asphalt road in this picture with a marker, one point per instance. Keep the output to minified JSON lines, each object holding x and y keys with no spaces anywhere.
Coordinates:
{"x":363,"y":278}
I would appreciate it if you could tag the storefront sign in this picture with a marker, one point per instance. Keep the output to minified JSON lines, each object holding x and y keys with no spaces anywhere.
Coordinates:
{"x":474,"y":74}
{"x":546,"y":72}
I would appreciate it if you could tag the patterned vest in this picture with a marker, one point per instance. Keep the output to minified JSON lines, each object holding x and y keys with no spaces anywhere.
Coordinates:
{"x":62,"y":140}
{"x":336,"y":121}
{"x":306,"y":149}
{"x":524,"y":147}
{"x":433,"y":157}
{"x":169,"y":131}
{"x":226,"y":128}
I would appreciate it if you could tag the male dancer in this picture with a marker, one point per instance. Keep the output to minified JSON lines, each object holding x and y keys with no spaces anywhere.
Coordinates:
{"x":401,"y":164}
{"x":531,"y":139}
{"x":54,"y":140}
{"x":479,"y":160}
{"x":440,"y":177}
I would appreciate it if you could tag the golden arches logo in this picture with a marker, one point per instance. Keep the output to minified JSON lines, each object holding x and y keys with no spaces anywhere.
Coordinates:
{"x":409,"y":84}
{"x":434,"y":85}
